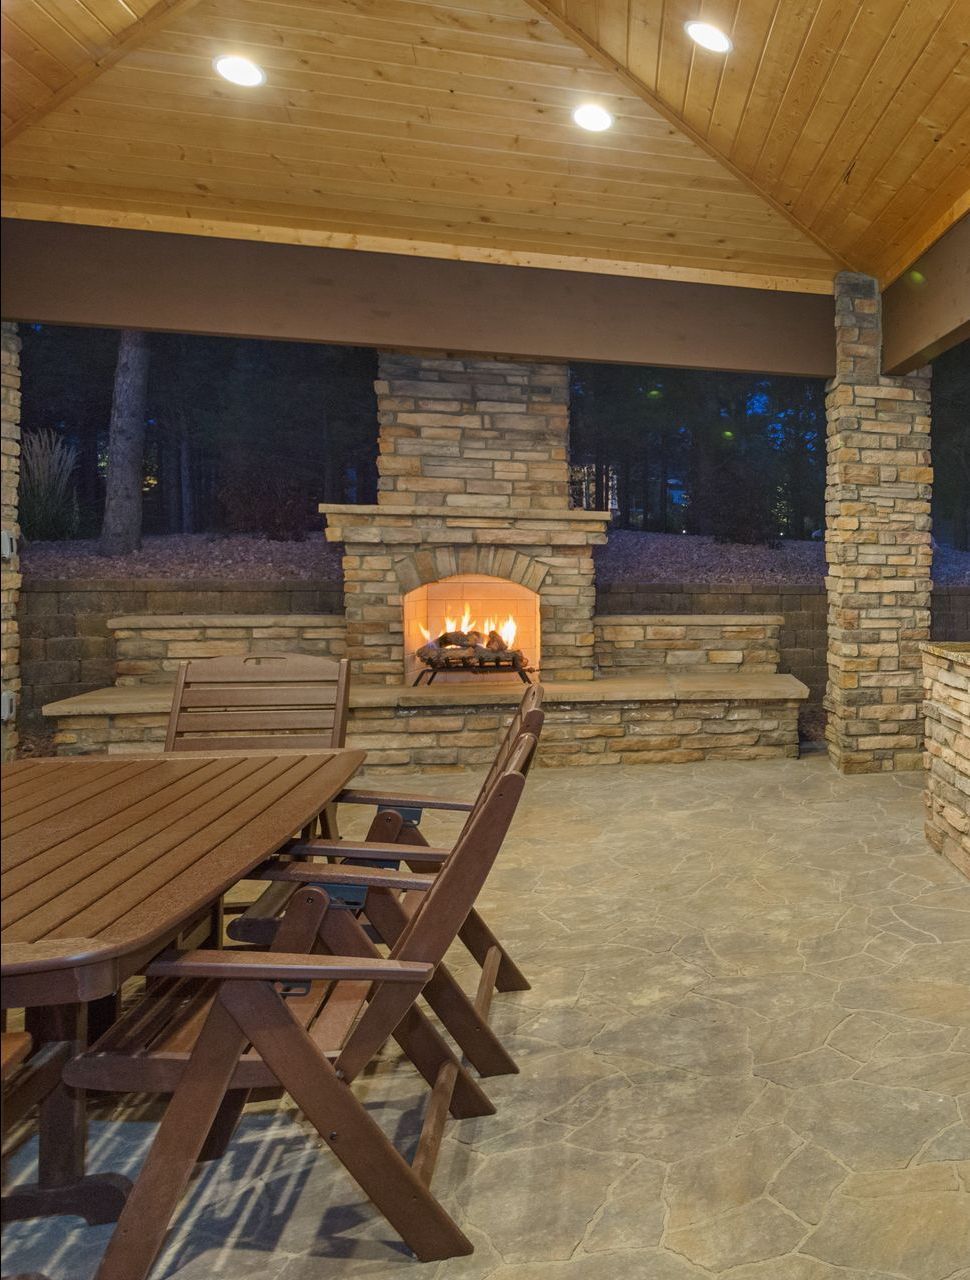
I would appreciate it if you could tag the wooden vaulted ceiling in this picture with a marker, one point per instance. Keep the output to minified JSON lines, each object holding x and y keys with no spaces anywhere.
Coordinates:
{"x":835,"y":134}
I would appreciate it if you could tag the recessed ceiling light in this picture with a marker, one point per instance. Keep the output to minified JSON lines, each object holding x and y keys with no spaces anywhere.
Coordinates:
{"x":592,"y":117}
{"x":239,"y":70}
{"x":708,"y":37}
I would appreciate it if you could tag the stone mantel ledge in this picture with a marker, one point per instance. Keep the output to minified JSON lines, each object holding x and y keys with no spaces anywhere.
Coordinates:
{"x":541,"y":517}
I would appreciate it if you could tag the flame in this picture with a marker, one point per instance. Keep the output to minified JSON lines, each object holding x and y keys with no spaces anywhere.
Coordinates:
{"x":507,"y":629}
{"x":425,"y":632}
{"x":465,"y":624}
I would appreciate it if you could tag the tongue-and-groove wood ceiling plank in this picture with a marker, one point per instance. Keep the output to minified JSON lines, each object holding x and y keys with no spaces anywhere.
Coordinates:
{"x":403,"y":125}
{"x":852,"y":117}
{"x":53,"y":47}
{"x":834,"y":133}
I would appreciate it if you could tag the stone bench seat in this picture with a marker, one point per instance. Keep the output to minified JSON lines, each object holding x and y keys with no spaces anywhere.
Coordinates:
{"x":659,"y":717}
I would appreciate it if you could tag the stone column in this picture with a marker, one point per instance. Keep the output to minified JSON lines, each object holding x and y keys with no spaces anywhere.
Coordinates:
{"x":10,"y":587}
{"x":877,"y":539}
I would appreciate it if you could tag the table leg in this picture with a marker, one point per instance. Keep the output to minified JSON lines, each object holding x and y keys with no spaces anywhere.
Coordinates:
{"x":62,"y":1187}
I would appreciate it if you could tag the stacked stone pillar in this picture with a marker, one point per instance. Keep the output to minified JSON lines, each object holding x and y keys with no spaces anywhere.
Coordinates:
{"x":10,"y":587}
{"x":877,"y":520}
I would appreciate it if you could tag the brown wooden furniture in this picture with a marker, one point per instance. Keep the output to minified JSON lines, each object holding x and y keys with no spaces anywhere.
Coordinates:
{"x":249,"y":1026}
{"x":105,"y":862}
{"x":261,"y":703}
{"x":389,"y":913}
{"x":252,"y":703}
{"x":397,"y":822}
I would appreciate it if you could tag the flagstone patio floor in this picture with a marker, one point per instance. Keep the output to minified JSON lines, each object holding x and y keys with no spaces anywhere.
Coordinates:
{"x":745,"y":1055}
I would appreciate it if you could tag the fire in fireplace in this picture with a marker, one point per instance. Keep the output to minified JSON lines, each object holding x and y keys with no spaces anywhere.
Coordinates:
{"x":471,"y":624}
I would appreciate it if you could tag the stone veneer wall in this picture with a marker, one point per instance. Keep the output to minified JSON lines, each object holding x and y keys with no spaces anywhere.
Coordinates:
{"x":149,"y":648}
{"x":474,"y":480}
{"x":67,"y":648}
{"x":877,"y":527}
{"x":803,"y":641}
{"x":482,"y":434}
{"x":727,"y":642}
{"x":10,"y":586}
{"x":580,"y":732}
{"x":946,"y":678}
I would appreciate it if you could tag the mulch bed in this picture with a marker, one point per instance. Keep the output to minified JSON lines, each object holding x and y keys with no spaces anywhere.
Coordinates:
{"x":628,"y":557}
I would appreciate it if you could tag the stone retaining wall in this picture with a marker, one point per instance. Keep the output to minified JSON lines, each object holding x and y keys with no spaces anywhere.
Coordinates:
{"x":68,"y":649}
{"x":946,"y":707}
{"x":731,"y":642}
{"x":149,"y":648}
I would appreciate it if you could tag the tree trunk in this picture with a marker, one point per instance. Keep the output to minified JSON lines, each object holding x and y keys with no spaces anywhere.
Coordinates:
{"x":185,"y":484}
{"x":121,"y":530}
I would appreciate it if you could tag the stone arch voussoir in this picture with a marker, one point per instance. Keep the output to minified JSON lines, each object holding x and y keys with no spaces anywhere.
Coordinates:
{"x":419,"y":568}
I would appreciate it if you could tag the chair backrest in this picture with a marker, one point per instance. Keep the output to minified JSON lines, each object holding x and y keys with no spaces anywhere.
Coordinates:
{"x":442,"y":910}
{"x":260,"y":704}
{"x":528,"y":718}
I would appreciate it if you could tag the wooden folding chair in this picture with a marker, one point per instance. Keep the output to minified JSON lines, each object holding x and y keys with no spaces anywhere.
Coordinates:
{"x":397,"y":823}
{"x":309,"y":1023}
{"x":250,"y":704}
{"x":261,"y":703}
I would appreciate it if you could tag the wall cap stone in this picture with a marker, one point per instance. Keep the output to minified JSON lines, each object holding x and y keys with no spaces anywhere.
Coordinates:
{"x":185,"y":621}
{"x":691,"y":619}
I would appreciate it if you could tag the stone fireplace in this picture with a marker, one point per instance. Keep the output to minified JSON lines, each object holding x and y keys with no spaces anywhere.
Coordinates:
{"x":473,"y":514}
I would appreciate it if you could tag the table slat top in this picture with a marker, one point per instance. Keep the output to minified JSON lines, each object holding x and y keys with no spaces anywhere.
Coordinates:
{"x":103,"y":856}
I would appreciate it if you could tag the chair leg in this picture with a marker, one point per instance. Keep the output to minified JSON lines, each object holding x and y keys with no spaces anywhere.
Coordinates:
{"x":296,"y":932}
{"x":144,"y":1222}
{"x":444,"y":994}
{"x":343,"y":934}
{"x":354,"y":1137}
{"x":224,"y":1125}
{"x":479,"y":940}
{"x":475,"y":933}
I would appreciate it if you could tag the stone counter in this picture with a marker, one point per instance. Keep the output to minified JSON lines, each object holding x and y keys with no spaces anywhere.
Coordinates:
{"x":946,"y":707}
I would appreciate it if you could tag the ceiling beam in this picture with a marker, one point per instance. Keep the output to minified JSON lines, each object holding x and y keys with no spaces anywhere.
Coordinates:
{"x":647,"y":95}
{"x":157,"y":16}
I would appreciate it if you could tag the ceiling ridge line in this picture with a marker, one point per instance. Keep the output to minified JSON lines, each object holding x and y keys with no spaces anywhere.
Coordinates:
{"x":156,"y":17}
{"x":606,"y":60}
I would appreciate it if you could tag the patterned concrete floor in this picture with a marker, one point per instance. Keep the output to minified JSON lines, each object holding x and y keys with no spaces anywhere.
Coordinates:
{"x":746,"y":1054}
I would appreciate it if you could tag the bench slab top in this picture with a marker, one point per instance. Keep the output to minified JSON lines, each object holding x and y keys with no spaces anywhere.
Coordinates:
{"x":692,"y":686}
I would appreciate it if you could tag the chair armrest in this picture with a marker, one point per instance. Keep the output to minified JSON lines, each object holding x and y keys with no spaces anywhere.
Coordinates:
{"x":373,"y":851}
{"x":356,"y":796}
{"x":280,"y":966}
{"x":324,"y":873}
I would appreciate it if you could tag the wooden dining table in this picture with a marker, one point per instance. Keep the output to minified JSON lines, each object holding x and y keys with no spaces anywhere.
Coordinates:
{"x":105,"y":862}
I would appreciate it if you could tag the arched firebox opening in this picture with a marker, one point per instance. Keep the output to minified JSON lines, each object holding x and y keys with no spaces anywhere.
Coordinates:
{"x":470,"y":626}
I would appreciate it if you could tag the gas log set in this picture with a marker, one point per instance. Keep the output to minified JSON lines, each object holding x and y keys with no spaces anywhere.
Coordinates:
{"x":462,"y":648}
